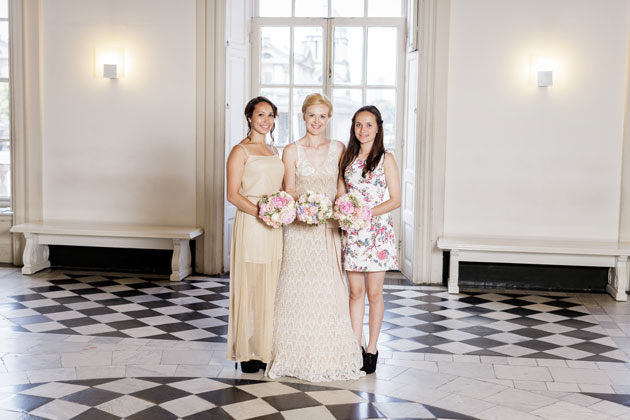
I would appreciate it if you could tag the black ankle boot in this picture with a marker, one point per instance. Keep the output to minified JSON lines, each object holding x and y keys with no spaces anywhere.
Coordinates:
{"x":250,"y":366}
{"x":369,"y":362}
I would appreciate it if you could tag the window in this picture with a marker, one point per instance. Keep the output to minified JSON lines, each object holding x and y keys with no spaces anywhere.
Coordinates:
{"x":351,"y":50}
{"x":5,"y":129}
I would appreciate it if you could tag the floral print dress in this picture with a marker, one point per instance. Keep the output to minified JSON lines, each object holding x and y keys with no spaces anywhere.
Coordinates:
{"x":372,"y":248}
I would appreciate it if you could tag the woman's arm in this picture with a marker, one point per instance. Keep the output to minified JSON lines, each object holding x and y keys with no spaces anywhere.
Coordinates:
{"x":234,"y":171}
{"x":289,"y":158}
{"x":341,"y":184}
{"x":393,"y":186}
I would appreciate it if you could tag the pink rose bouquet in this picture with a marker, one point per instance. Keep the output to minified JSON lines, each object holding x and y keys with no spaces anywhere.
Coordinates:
{"x":314,"y":208}
{"x":352,"y":211}
{"x":277,"y":209}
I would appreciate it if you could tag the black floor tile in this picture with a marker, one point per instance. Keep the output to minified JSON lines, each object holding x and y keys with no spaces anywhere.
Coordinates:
{"x":92,"y":396}
{"x":226,"y":396}
{"x":291,"y":401}
{"x":160,"y":394}
{"x":354,"y":411}
{"x":153,"y":413}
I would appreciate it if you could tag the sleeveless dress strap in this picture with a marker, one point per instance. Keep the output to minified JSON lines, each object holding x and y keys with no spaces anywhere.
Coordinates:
{"x":381,"y":162}
{"x":244,"y":149}
{"x":300,"y":153}
{"x":332,"y":149}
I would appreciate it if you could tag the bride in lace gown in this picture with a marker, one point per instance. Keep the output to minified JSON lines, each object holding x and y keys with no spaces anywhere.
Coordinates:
{"x":312,"y":334}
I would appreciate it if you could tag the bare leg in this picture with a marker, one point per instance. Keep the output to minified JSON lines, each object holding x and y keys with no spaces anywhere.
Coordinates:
{"x":375,"y":282}
{"x":357,"y":302}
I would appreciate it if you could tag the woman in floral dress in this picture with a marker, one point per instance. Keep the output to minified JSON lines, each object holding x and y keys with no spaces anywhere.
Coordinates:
{"x":368,"y":253}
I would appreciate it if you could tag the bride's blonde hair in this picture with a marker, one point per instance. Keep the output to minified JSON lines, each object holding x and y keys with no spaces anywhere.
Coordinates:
{"x":317,"y":99}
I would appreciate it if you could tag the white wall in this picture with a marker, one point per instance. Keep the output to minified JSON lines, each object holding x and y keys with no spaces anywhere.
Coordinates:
{"x":119,"y":150}
{"x":624,"y":220}
{"x":527,"y":161}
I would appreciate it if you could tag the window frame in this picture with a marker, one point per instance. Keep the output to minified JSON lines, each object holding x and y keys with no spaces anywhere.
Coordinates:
{"x":6,"y":201}
{"x":329,"y":24}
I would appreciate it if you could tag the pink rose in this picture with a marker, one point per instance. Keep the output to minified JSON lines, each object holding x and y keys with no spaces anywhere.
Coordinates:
{"x":278,"y":202}
{"x":346,"y":208}
{"x":365,"y":213}
{"x":382,"y":255}
{"x":288,"y":217}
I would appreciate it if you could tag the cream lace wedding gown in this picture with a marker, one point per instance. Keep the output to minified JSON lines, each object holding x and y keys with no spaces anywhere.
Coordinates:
{"x":312,"y":335}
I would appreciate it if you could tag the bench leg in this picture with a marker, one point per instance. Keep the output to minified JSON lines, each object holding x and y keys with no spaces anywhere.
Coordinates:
{"x":453,"y":272}
{"x":181,"y":259}
{"x":619,"y":282}
{"x":35,"y":255}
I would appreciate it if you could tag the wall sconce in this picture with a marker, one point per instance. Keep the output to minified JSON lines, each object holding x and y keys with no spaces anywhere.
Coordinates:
{"x":545,"y":78}
{"x":109,"y":62}
{"x":542,"y":69}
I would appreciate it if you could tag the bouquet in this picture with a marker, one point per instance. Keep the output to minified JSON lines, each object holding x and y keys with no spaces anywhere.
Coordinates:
{"x":352,"y":211}
{"x":314,"y":208}
{"x":277,"y":209}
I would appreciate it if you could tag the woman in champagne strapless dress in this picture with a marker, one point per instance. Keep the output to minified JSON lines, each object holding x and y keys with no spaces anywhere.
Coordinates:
{"x":253,"y":170}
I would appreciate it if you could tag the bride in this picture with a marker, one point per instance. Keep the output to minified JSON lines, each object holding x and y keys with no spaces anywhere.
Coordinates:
{"x":312,"y":334}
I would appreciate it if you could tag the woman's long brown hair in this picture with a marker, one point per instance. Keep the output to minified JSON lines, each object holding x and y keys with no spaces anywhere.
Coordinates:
{"x":354,"y":146}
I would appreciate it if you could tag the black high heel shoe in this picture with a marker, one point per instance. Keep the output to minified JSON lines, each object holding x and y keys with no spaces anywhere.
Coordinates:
{"x":250,"y":366}
{"x":369,"y":362}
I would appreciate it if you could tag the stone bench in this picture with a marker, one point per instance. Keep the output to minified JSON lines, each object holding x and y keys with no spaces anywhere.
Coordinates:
{"x":613,"y":255}
{"x":40,"y":235}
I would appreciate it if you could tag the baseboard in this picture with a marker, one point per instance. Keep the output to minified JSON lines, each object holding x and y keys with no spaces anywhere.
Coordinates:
{"x":530,"y":277}
{"x":149,"y":261}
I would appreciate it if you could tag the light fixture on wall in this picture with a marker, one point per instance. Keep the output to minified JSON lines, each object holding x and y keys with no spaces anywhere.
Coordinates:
{"x":544,"y":78}
{"x":109,"y":62}
{"x":542,"y":68}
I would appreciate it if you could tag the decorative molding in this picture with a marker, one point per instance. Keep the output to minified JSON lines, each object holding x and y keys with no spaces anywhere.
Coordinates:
{"x":26,"y":143}
{"x":200,"y":132}
{"x":210,"y":133}
{"x":624,"y":191}
{"x":433,"y":39}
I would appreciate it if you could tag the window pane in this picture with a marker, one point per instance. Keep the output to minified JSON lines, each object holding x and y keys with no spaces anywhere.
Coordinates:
{"x":385,"y":101}
{"x":274,"y":8}
{"x":311,"y":8}
{"x":345,"y":104}
{"x":381,"y":56}
{"x":4,"y":49}
{"x":274,"y":55}
{"x":348,"y":8}
{"x":280,"y":98}
{"x":380,"y":8}
{"x":348,"y":56}
{"x":4,"y":111}
{"x":298,"y":127}
{"x":308,"y":53}
{"x":5,"y":151}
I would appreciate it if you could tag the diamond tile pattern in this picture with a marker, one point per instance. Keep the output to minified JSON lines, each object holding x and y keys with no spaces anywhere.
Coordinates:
{"x":493,"y":324}
{"x":165,"y":399}
{"x":417,"y":319}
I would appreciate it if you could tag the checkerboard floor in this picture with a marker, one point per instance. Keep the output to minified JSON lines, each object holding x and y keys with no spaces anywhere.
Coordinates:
{"x":493,"y":324}
{"x":417,"y":319}
{"x":203,"y":398}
